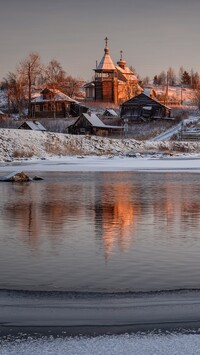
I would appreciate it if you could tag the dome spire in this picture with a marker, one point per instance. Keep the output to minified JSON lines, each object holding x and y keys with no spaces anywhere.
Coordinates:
{"x":106,"y":50}
{"x":122,"y":62}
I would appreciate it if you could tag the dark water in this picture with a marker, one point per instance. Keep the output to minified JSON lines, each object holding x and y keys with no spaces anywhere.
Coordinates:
{"x":101,"y":232}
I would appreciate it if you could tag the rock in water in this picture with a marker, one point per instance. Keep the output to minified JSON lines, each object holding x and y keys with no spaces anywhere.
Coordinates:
{"x":37,"y":178}
{"x":20,"y":177}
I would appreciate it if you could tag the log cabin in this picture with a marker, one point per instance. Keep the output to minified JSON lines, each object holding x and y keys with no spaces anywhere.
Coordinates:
{"x":56,"y":104}
{"x":91,"y":124}
{"x":144,"y":106}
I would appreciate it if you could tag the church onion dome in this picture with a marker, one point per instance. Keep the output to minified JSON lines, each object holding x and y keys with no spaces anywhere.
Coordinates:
{"x":106,"y":64}
{"x":122,"y":62}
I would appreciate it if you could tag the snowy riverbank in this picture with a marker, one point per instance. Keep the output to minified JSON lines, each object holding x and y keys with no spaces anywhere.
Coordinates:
{"x":20,"y":144}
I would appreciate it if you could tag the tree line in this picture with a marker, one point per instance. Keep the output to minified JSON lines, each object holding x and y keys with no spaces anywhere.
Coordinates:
{"x":185,"y":78}
{"x":31,"y":74}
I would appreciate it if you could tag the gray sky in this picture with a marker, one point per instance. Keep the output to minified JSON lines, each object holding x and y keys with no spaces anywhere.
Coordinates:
{"x":153,"y":34}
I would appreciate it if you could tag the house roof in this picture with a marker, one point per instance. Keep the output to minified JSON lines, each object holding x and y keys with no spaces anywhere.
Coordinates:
{"x":110,"y":111}
{"x":34,"y":125}
{"x":151,"y":100}
{"x":90,"y":84}
{"x":58,"y":96}
{"x":96,"y":122}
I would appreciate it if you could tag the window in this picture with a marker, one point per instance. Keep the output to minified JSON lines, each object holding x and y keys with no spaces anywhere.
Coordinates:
{"x":45,"y":107}
{"x":37,"y":108}
{"x":59,"y":107}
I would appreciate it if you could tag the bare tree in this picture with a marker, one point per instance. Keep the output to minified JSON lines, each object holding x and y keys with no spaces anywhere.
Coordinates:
{"x":29,"y":70}
{"x":146,"y":80}
{"x":72,"y":86}
{"x":171,"y":76}
{"x":162,"y":77}
{"x":14,"y":85}
{"x":54,"y":73}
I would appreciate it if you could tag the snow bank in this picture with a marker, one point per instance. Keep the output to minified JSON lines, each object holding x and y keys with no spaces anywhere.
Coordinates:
{"x":150,"y":344}
{"x":18,"y":144}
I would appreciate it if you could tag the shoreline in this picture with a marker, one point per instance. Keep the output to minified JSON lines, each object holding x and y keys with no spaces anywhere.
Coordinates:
{"x":87,"y":164}
{"x":53,"y":314}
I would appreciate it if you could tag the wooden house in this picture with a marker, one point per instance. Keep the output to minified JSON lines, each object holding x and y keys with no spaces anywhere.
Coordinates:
{"x":32,"y":125}
{"x":90,"y":124}
{"x":56,"y":104}
{"x":144,"y":106}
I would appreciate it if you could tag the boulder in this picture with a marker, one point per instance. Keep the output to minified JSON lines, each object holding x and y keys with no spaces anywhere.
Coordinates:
{"x":20,"y":177}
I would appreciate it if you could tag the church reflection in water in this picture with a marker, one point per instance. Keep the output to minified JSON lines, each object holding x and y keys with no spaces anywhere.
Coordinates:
{"x":114,"y":206}
{"x":117,"y":216}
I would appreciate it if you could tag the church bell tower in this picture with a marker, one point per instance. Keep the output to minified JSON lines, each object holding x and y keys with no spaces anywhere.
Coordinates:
{"x":106,"y":78}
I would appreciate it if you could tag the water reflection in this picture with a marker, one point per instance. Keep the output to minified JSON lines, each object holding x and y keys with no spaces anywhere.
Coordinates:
{"x":115,"y":204}
{"x":118,"y":214}
{"x":143,"y":225}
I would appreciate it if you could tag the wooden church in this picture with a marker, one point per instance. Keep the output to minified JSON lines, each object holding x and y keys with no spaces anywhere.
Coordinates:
{"x":113,"y":83}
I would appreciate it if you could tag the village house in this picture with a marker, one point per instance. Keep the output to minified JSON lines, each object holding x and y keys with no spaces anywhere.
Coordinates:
{"x":56,"y":104}
{"x":112,"y":83}
{"x":144,"y":106}
{"x":32,"y":125}
{"x":91,"y":124}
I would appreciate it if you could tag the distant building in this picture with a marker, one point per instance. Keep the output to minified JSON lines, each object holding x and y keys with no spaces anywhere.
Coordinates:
{"x":112,"y":83}
{"x":56,"y":104}
{"x":92,"y":125}
{"x":109,"y":112}
{"x":143,"y":106}
{"x":32,"y":125}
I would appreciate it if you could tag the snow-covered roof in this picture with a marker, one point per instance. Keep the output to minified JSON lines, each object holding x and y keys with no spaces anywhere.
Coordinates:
{"x":57,"y":96}
{"x":34,"y":125}
{"x":106,"y":62}
{"x":127,"y":73}
{"x":88,"y":85}
{"x":110,"y":111}
{"x":96,"y":122}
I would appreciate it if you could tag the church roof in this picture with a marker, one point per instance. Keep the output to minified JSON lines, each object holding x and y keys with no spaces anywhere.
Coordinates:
{"x":127,"y":73}
{"x":106,"y":62}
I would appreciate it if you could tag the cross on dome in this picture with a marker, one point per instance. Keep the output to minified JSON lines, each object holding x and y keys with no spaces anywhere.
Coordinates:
{"x":106,"y":41}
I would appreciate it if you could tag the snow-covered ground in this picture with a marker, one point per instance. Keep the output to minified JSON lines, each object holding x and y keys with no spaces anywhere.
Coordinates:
{"x":139,"y":344}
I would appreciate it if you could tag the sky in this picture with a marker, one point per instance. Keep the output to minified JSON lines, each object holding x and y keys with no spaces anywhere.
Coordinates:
{"x":153,"y":34}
